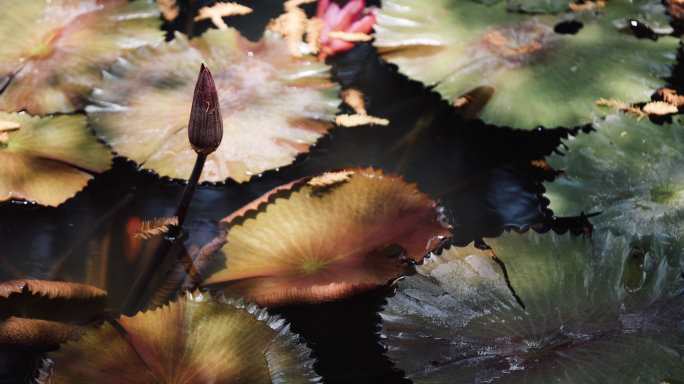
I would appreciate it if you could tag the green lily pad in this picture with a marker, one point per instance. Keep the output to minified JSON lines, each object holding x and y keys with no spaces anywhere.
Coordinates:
{"x":274,"y":106}
{"x":597,"y":311}
{"x":52,"y":52}
{"x":42,"y":159}
{"x":199,"y":339}
{"x":538,"y":77}
{"x":631,"y":172}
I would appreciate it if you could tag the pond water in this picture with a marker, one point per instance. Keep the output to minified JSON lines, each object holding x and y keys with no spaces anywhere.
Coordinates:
{"x":482,"y":174}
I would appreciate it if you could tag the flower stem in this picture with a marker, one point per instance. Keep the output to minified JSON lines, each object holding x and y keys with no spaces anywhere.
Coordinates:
{"x":137,"y":292}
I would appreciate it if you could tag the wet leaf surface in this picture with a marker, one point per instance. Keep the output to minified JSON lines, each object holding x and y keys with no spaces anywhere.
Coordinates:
{"x":456,"y":321}
{"x":629,"y":171}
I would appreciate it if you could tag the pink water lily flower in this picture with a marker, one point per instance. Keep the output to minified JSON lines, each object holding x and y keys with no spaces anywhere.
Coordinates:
{"x":351,"y":18}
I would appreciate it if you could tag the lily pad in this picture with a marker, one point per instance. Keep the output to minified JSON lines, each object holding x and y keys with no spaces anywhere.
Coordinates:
{"x":323,"y":238}
{"x":631,"y":172}
{"x":42,"y":160}
{"x":52,"y":52}
{"x":274,"y":106}
{"x":199,"y":339}
{"x":596,"y":311}
{"x":538,"y":77}
{"x":38,"y":314}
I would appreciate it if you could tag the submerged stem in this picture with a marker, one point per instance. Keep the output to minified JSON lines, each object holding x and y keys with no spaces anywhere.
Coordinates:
{"x":135,"y":295}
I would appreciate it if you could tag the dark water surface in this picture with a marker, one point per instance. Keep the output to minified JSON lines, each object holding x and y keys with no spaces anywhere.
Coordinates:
{"x":482,"y":174}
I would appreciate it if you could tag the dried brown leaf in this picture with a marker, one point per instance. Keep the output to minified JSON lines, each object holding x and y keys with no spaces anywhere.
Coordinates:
{"x":330,"y":178}
{"x":354,"y":98}
{"x":461,"y":101}
{"x":587,"y":6}
{"x":169,"y":9}
{"x":351,"y":37}
{"x":356,"y":120}
{"x":150,"y":228}
{"x":541,"y":164}
{"x":52,"y":289}
{"x":313,"y":30}
{"x":671,"y":97}
{"x":8,"y":125}
{"x":220,"y":10}
{"x":660,"y":108}
{"x":620,"y":106}
{"x":292,"y":25}
{"x":19,"y":333}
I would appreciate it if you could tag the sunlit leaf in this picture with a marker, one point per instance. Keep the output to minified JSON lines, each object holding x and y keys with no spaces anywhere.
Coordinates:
{"x":199,"y":339}
{"x":539,"y":77}
{"x":320,"y":243}
{"x":52,"y":52}
{"x":631,"y":172}
{"x":273,"y":106}
{"x":597,"y":311}
{"x":42,"y":160}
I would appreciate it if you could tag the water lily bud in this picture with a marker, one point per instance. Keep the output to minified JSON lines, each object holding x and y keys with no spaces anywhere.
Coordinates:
{"x":205,"y":128}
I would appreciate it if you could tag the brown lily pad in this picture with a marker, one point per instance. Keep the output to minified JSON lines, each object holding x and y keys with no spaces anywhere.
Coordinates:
{"x":273,"y":106}
{"x":42,"y":160}
{"x":199,"y":339}
{"x":37,"y":314}
{"x":324,"y":238}
{"x":52,"y":52}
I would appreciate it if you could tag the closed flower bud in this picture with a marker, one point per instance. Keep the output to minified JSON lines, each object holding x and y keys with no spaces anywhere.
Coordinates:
{"x":205,"y":128}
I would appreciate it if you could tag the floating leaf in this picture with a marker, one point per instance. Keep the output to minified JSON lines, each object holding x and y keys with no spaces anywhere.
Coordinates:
{"x":634,"y":179}
{"x":597,"y":310}
{"x":630,"y":110}
{"x":313,"y":29}
{"x":330,"y":178}
{"x":198,"y":339}
{"x":671,"y":97}
{"x":458,"y":46}
{"x":292,"y":25}
{"x":273,"y":106}
{"x":40,"y":160}
{"x":587,"y":6}
{"x":351,"y":37}
{"x":52,"y":52}
{"x":309,"y":244}
{"x":39,"y":314}
{"x":219,"y":10}
{"x":356,"y":120}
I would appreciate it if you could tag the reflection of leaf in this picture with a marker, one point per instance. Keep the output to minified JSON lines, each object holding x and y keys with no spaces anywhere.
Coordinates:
{"x":306,"y":247}
{"x":595,"y":309}
{"x":273,"y":106}
{"x":42,"y":161}
{"x":149,"y":228}
{"x":457,"y":46}
{"x":199,"y":339}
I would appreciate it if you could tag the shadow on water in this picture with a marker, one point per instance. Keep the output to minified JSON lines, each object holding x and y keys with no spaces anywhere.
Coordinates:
{"x":482,"y":174}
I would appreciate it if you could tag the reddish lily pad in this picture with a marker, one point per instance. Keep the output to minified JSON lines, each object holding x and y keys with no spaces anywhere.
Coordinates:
{"x":199,"y":339}
{"x":52,"y":52}
{"x":42,"y":160}
{"x":273,"y":106}
{"x":310,"y":243}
